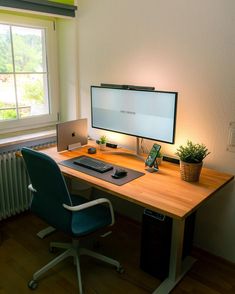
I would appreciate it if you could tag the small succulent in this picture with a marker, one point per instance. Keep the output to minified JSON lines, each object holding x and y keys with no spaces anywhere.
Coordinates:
{"x":192,"y":153}
{"x":103,"y":139}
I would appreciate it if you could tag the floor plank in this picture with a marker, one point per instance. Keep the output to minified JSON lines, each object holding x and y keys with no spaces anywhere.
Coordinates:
{"x":22,"y":253}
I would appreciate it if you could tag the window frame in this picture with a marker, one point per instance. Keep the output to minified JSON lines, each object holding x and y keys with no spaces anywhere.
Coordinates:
{"x":33,"y":122}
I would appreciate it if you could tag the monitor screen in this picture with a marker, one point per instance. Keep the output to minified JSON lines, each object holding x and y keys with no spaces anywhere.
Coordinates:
{"x":71,"y":134}
{"x":140,"y":113}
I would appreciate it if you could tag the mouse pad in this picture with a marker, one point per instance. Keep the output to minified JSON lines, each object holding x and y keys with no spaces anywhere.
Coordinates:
{"x":107,"y":176}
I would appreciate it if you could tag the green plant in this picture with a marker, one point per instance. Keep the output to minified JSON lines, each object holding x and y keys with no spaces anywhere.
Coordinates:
{"x":8,"y":114}
{"x":192,"y":153}
{"x":34,"y":91}
{"x":7,"y":111}
{"x":103,"y":139}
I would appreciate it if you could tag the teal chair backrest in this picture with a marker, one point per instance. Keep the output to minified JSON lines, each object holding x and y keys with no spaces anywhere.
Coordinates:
{"x":52,"y":192}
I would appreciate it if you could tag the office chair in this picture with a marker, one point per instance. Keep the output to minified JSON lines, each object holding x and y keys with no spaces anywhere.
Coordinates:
{"x":73,"y":215}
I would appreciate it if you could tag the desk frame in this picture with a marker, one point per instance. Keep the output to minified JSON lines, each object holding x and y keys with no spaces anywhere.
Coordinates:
{"x":177,"y":268}
{"x":176,"y":201}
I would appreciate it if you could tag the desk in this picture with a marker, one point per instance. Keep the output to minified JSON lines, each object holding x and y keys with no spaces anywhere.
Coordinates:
{"x":163,"y":192}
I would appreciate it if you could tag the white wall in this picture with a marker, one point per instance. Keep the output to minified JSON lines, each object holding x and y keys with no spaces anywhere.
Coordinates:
{"x":68,"y":63}
{"x":186,"y":46}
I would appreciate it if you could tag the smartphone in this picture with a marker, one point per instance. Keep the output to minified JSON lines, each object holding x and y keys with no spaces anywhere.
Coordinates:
{"x":152,"y":155}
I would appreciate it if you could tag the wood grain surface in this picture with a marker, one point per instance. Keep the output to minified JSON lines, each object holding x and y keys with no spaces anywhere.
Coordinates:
{"x":162,"y":191}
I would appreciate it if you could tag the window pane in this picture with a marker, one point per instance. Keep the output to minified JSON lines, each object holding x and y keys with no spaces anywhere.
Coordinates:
{"x":28,"y":49}
{"x":32,"y":94}
{"x":28,"y":93}
{"x":6,"y":65}
{"x":7,"y":98}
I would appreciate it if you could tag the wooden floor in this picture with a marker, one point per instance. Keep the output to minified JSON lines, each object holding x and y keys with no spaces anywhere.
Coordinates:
{"x":22,"y":253}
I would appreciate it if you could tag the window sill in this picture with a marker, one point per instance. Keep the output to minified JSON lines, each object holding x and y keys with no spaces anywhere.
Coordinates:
{"x":23,"y":138}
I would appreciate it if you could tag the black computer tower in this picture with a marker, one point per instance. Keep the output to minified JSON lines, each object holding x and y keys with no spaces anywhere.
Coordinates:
{"x":156,"y":242}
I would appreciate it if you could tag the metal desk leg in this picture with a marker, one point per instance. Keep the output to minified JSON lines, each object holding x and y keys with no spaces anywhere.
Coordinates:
{"x":177,"y":268}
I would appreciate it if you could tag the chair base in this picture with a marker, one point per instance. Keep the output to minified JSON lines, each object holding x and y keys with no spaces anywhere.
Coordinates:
{"x":72,"y":250}
{"x":45,"y":232}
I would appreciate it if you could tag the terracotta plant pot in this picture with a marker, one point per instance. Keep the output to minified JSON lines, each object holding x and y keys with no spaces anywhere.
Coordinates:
{"x":190,"y":172}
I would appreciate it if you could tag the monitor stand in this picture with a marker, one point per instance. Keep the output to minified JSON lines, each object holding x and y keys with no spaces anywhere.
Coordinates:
{"x":136,"y":154}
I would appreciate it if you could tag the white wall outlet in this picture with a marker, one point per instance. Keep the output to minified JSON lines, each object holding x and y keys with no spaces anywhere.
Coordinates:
{"x":231,"y":137}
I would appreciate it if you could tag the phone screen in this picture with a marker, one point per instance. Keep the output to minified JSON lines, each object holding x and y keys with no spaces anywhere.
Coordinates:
{"x":152,"y":155}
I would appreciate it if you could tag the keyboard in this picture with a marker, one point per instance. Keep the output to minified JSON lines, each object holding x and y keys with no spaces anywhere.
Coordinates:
{"x":93,"y":164}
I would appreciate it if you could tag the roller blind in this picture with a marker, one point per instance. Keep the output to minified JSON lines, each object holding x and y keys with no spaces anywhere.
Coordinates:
{"x":55,"y":7}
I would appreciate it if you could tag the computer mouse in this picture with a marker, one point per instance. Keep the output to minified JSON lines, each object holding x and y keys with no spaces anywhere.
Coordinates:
{"x":91,"y":150}
{"x":119,"y":173}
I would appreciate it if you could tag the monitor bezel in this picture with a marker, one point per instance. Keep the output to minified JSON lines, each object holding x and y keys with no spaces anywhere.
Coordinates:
{"x":131,"y":134}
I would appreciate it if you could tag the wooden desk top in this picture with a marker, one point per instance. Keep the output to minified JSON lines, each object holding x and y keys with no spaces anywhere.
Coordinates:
{"x":162,"y":191}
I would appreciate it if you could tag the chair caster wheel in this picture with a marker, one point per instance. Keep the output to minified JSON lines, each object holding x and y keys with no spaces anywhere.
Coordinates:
{"x":32,"y":285}
{"x":120,"y":270}
{"x":52,"y":249}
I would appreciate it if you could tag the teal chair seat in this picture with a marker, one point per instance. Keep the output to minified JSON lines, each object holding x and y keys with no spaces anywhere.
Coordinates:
{"x":89,"y":220}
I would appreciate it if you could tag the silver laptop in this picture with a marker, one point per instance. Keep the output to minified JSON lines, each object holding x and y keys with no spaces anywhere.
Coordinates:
{"x":71,"y":134}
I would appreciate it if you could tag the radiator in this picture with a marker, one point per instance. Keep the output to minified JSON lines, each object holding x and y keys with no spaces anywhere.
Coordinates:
{"x":14,"y":194}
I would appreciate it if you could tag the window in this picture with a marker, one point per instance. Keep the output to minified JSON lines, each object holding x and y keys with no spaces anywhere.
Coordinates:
{"x":28,"y":81}
{"x":23,"y":72}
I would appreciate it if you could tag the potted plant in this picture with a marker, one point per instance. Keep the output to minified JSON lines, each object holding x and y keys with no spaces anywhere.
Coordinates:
{"x":191,"y":159}
{"x":102,"y":142}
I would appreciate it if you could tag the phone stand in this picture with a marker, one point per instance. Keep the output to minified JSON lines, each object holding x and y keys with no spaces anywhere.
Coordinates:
{"x":154,"y":168}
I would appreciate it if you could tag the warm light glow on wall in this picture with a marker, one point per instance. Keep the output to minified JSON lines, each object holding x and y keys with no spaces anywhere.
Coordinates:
{"x":120,"y":139}
{"x":114,"y":137}
{"x":111,"y":136}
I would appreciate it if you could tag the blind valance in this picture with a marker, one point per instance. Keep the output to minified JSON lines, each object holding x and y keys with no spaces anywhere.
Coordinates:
{"x":60,"y":8}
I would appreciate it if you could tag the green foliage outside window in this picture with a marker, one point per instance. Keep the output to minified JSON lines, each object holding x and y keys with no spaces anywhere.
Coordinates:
{"x":27,"y":50}
{"x":6,"y":114}
{"x":5,"y":56}
{"x":27,"y":72}
{"x":34,"y":91}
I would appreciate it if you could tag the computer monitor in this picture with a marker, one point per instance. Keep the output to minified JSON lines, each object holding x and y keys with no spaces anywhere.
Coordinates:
{"x":71,"y":134}
{"x":141,"y":113}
